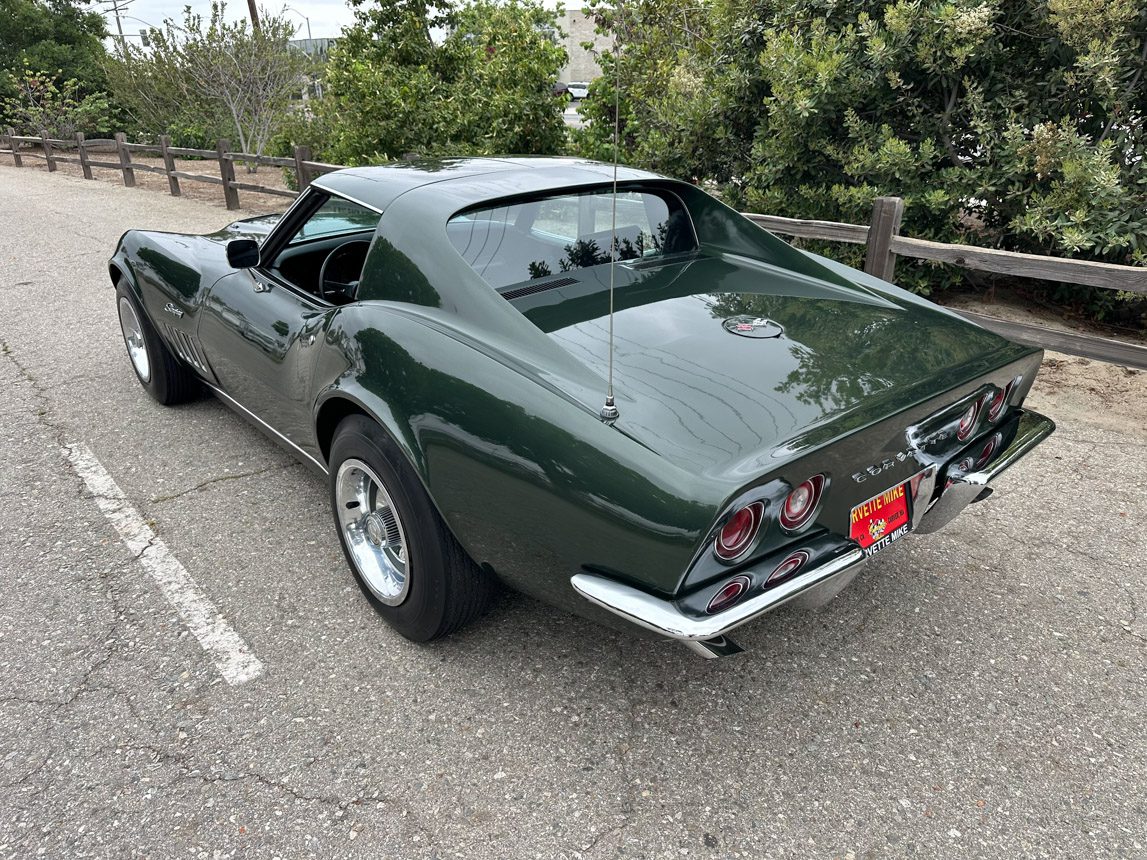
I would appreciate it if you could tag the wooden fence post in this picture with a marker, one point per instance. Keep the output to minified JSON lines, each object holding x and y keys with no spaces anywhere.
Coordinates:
{"x":227,"y":173}
{"x":15,"y":146}
{"x":169,"y":165}
{"x":82,"y":154}
{"x":302,"y":172}
{"x":47,"y":151}
{"x":124,"y":160}
{"x":878,"y":257}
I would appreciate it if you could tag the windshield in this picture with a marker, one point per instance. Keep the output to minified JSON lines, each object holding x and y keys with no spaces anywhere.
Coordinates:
{"x":335,"y":217}
{"x":533,"y":239}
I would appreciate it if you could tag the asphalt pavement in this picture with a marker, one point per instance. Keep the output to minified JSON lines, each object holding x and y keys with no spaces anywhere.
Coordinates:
{"x":980,"y":692}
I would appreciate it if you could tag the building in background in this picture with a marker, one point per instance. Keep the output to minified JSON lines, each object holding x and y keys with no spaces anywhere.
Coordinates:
{"x":582,"y":65}
{"x":315,"y":47}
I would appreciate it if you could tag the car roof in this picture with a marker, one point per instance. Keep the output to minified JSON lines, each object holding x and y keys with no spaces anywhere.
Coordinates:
{"x":467,"y":180}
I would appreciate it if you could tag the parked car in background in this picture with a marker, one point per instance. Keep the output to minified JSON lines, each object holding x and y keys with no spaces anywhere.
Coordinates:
{"x":436,"y":338}
{"x":578,"y":89}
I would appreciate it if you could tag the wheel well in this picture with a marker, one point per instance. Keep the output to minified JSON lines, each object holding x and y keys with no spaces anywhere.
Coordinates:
{"x":330,"y":416}
{"x":115,"y":274}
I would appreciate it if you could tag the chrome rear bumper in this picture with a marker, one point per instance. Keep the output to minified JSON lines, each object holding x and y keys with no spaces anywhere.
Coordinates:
{"x":664,"y":617}
{"x":706,"y":633}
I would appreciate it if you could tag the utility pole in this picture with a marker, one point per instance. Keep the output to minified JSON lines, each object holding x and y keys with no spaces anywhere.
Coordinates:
{"x":254,"y":15}
{"x":116,"y":5}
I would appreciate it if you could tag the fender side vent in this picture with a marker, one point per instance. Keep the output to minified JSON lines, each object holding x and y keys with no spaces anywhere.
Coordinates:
{"x":510,"y":295}
{"x":185,"y":347}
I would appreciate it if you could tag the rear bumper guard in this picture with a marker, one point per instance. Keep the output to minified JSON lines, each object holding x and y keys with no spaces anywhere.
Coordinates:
{"x":963,"y":488}
{"x":706,"y":634}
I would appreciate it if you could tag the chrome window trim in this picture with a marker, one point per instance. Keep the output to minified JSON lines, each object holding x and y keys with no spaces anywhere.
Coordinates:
{"x":317,"y":183}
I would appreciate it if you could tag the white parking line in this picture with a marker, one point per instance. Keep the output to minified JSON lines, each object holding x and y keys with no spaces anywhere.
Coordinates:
{"x":233,"y":658}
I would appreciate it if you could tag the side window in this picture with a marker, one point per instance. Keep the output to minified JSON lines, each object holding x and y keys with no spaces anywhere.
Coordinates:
{"x":532,"y":239}
{"x":326,"y":254}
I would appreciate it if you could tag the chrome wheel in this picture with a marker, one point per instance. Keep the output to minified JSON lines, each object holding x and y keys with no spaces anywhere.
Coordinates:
{"x":373,"y":531}
{"x":133,"y":338}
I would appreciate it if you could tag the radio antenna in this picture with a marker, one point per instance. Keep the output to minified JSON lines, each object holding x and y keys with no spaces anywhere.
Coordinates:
{"x":609,"y":412}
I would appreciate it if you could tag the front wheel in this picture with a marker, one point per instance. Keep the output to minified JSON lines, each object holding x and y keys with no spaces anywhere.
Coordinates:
{"x":407,"y":563}
{"x":162,"y":374}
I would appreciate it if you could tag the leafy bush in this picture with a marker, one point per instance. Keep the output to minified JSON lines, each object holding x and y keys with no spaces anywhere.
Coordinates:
{"x":40,"y":104}
{"x":1016,"y":124}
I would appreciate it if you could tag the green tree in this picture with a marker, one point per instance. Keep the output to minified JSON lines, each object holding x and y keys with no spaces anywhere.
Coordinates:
{"x":1016,"y":124}
{"x":53,"y":38}
{"x":391,"y":89}
{"x":212,"y":76}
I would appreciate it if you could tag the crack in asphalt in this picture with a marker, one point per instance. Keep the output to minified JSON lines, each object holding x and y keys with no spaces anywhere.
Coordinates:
{"x":277,"y":467}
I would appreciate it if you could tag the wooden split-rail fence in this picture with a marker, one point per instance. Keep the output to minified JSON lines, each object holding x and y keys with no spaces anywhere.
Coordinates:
{"x":881,"y":236}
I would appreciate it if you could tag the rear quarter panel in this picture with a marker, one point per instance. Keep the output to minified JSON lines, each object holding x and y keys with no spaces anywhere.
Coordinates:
{"x":532,"y":484}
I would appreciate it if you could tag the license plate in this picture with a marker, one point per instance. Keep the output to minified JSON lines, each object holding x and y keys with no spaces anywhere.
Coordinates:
{"x":875,"y":524}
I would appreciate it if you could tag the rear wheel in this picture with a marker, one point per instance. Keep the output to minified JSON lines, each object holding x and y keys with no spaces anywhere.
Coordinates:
{"x":162,"y":374}
{"x":407,"y":563}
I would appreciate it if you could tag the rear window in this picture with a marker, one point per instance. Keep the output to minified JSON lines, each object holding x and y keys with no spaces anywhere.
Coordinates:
{"x":532,"y":239}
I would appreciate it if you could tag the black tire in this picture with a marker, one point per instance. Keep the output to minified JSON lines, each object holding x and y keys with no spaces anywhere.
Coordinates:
{"x":445,"y":590}
{"x":167,"y":380}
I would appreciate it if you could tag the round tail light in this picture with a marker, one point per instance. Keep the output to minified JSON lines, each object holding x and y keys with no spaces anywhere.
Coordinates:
{"x":738,"y":534}
{"x":1000,"y":402}
{"x":802,"y":503}
{"x":730,"y":593}
{"x":968,"y":421}
{"x":789,"y":566}
{"x":988,"y":450}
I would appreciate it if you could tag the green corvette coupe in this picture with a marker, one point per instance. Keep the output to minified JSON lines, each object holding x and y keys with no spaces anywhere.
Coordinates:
{"x":439,"y":338}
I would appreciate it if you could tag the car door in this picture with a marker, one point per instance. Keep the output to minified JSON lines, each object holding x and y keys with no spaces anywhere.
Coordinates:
{"x":258,"y":336}
{"x":259,"y":327}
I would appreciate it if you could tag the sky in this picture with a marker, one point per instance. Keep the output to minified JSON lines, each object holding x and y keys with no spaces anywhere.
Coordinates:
{"x":328,"y":17}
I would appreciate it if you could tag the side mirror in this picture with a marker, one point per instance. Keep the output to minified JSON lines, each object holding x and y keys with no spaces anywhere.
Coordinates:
{"x":243,"y":253}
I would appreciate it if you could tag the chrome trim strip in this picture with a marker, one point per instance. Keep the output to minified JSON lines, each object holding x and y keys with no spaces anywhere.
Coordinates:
{"x":925,"y":491}
{"x":237,"y":405}
{"x":662,"y":616}
{"x":1033,"y":429}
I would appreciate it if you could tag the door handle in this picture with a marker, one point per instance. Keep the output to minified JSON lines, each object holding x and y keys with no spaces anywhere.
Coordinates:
{"x":262,"y":286}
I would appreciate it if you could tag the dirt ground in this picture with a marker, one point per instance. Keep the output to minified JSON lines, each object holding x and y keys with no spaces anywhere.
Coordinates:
{"x":1068,"y":386}
{"x":1065,"y":388}
{"x":250,"y":201}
